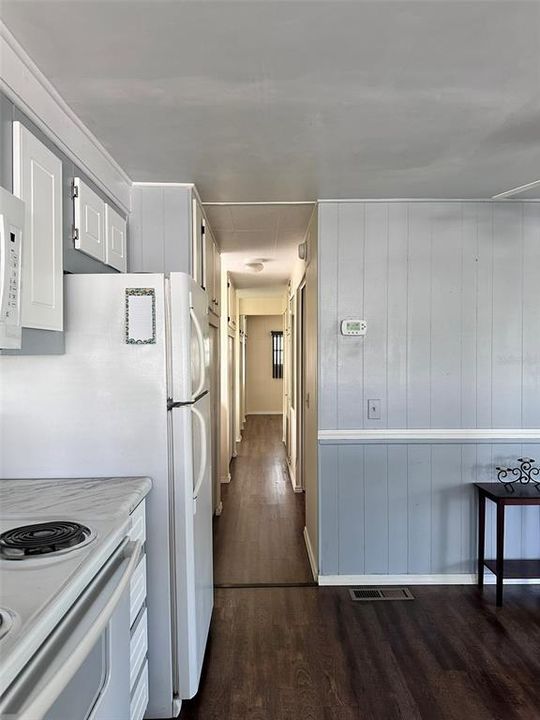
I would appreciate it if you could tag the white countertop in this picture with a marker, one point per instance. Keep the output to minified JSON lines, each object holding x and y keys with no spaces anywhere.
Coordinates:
{"x":88,"y":497}
{"x":39,"y":591}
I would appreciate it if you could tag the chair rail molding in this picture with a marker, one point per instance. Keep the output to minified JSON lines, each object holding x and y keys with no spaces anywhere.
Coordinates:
{"x":430,"y":435}
{"x":26,"y":86}
{"x":413,"y":579}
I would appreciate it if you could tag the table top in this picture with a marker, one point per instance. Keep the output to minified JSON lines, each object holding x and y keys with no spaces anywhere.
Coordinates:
{"x":497,"y":491}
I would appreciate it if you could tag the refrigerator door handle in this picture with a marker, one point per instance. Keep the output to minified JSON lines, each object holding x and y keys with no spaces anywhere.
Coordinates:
{"x":204,"y":459}
{"x":200,"y":340}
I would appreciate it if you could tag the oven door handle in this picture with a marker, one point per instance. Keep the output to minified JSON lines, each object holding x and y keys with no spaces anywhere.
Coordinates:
{"x":56,"y":662}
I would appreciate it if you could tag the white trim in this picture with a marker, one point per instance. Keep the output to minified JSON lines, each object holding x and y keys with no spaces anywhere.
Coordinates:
{"x":264,"y":412}
{"x":267,"y":202}
{"x":415,"y":200}
{"x":28,"y":88}
{"x":292,"y":477}
{"x":225,"y":479}
{"x":311,"y":555}
{"x":437,"y":579}
{"x":430,"y":435}
{"x":162,"y":184}
{"x":517,"y":190}
{"x":219,"y":509}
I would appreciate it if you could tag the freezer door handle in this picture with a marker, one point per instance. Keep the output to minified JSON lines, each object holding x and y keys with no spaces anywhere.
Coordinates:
{"x":57,"y":661}
{"x":200,"y":340}
{"x":204,"y":459}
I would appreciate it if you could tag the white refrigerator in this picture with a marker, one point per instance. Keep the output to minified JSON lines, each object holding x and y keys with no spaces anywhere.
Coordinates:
{"x":131,"y":397}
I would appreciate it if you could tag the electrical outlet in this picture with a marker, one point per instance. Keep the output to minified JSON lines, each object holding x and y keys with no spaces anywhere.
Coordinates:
{"x":374,"y":409}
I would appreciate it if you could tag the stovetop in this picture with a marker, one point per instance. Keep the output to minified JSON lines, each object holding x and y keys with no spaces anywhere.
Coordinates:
{"x":38,"y":589}
{"x":45,"y":538}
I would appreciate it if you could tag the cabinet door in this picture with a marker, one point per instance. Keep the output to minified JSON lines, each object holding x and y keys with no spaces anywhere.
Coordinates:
{"x":197,"y":250}
{"x":231,"y":301}
{"x":115,"y":239}
{"x":217,"y":279}
{"x":37,"y":179}
{"x":89,"y":221}
{"x":209,"y":267}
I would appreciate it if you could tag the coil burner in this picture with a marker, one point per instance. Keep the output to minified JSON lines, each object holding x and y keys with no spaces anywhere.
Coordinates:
{"x":31,"y":541}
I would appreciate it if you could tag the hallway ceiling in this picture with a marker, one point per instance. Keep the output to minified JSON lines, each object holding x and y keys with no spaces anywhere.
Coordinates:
{"x":276,"y":100}
{"x":270,"y":233}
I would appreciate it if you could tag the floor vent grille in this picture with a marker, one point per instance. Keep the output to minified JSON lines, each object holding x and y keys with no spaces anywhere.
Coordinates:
{"x":363,"y":594}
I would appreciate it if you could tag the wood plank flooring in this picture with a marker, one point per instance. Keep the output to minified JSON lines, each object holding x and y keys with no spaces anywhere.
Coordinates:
{"x":313,"y":654}
{"x":310,"y":653}
{"x":258,"y":538}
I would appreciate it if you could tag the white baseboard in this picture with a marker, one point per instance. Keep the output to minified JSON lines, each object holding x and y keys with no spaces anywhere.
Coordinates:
{"x":311,"y":555}
{"x":226,"y":478}
{"x":437,"y":579}
{"x":292,"y":476}
{"x":264,"y":412}
{"x":219,"y":509}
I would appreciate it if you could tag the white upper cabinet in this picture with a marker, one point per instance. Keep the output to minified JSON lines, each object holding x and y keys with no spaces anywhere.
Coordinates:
{"x":89,"y":221}
{"x":37,"y":180}
{"x":198,"y":244}
{"x":115,"y":239}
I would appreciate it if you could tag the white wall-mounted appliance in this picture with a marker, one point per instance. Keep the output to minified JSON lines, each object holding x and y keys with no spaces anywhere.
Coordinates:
{"x":11,"y":233}
{"x":130,"y":397}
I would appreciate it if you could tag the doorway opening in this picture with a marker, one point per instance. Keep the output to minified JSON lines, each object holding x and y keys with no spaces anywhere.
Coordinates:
{"x":262,"y":535}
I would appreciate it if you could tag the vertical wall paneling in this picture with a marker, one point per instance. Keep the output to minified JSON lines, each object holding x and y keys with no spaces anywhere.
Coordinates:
{"x":445,"y":322}
{"x":468,"y":324}
{"x":507,"y":315}
{"x":376,"y":508}
{"x":328,"y":510}
{"x":350,"y":298}
{"x":451,"y":295}
{"x":396,"y":341}
{"x":446,"y":500}
{"x":328,"y":315}
{"x":531,"y":315}
{"x":351,"y":511}
{"x":398,"y":509}
{"x":418,"y":316}
{"x":375,"y":311}
{"x":419,"y":509}
{"x":484,"y":316}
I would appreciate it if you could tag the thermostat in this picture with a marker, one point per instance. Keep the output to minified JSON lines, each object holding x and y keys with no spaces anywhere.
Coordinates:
{"x":353,"y":327}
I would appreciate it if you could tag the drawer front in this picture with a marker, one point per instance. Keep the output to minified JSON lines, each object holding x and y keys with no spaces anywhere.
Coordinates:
{"x":139,"y":699}
{"x":138,"y":523}
{"x":138,"y":647}
{"x":137,"y":590}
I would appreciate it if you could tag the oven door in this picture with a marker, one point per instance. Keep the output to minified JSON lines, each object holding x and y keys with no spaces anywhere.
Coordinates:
{"x":82,"y":671}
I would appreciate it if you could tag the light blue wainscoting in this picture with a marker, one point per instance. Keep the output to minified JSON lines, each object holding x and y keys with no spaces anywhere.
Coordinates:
{"x":410,"y":507}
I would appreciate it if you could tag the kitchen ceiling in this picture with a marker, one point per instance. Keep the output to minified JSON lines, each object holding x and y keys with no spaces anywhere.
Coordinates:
{"x":273,"y":100}
{"x":267,"y":233}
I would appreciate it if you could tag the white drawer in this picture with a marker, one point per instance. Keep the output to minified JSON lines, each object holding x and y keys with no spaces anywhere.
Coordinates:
{"x":137,"y":590}
{"x":137,"y":647}
{"x":138,"y":523}
{"x":139,"y":699}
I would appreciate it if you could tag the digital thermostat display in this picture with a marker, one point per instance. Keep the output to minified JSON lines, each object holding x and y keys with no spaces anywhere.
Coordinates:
{"x":353,"y":327}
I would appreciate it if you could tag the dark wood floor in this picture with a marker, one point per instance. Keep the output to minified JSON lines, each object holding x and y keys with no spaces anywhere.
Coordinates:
{"x":301,"y":653}
{"x":313,"y":654}
{"x":258,"y":537}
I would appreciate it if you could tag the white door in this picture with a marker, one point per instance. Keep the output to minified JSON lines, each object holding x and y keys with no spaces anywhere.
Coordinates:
{"x":215,"y":414}
{"x":192,"y":541}
{"x":37,"y":179}
{"x":230,"y":361}
{"x":115,"y":239}
{"x":89,"y":221}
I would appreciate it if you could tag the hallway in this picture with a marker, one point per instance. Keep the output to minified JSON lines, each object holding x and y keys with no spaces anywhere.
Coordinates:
{"x":258,"y":538}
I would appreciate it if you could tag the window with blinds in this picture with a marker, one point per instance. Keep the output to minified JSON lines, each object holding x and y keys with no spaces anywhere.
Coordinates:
{"x":277,"y":354}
